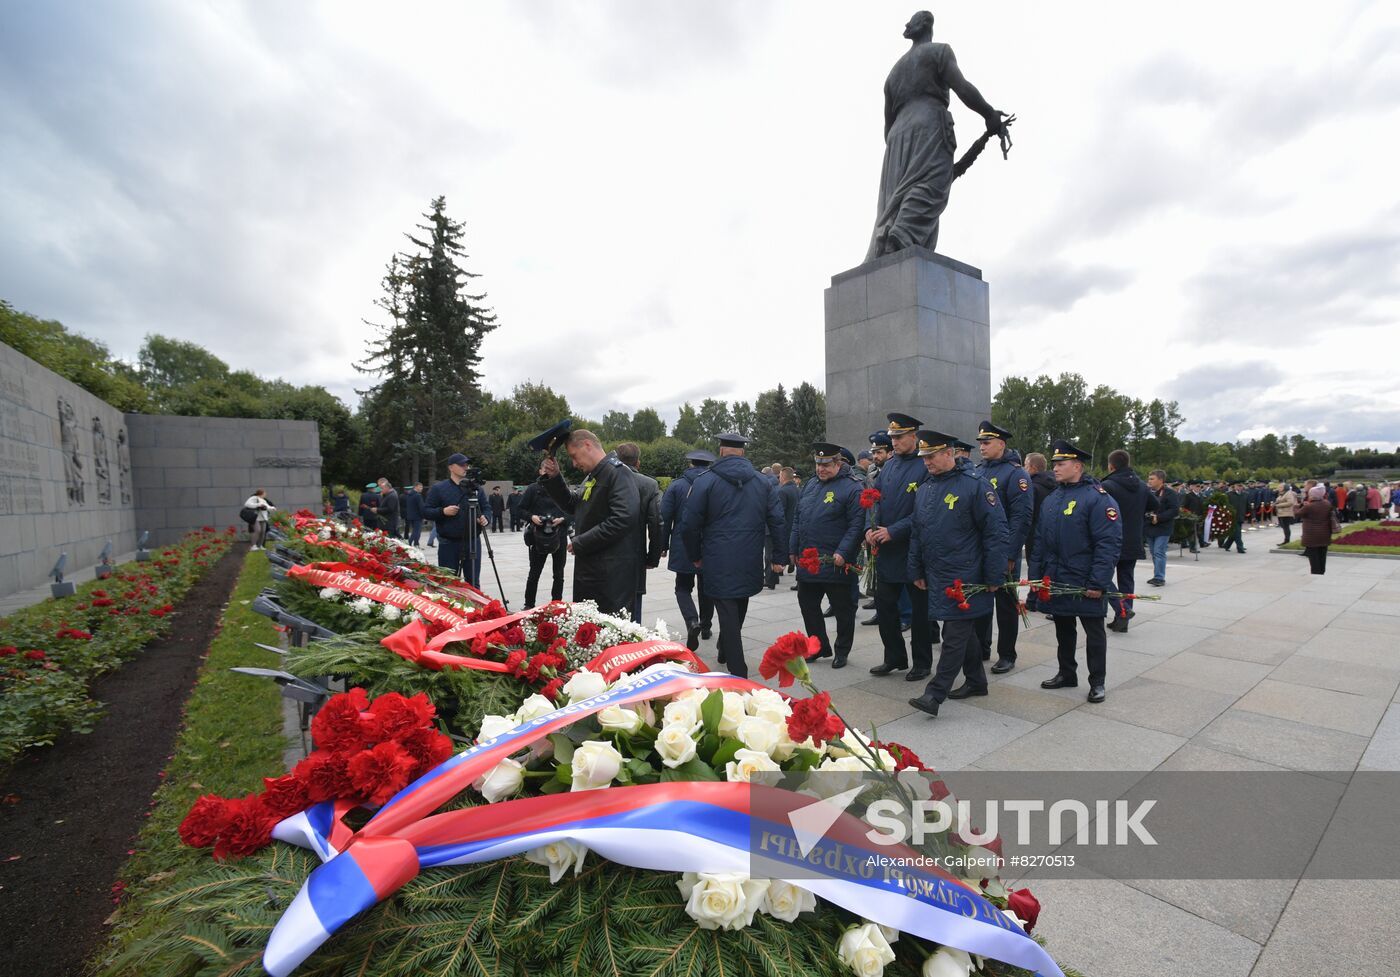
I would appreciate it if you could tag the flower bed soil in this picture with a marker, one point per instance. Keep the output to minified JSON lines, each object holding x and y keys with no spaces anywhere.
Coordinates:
{"x":70,"y":813}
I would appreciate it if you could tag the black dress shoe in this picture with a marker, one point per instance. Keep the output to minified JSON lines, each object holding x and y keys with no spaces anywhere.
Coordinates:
{"x":885,"y":669}
{"x":1157,"y":582}
{"x":1002,"y":666}
{"x":705,"y":633}
{"x":1241,"y":551}
{"x":916,"y":675}
{"x":1119,"y":624}
{"x":872,"y":620}
{"x":692,"y":636}
{"x":1060,"y":682}
{"x":924,"y":704}
{"x":966,"y":691}
{"x":868,"y":606}
{"x":793,"y":587}
{"x":821,"y":654}
{"x":839,"y":663}
{"x":1096,"y":693}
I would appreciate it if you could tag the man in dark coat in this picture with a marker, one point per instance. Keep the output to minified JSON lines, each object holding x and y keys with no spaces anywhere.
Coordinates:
{"x":1158,"y":531}
{"x":513,"y":507}
{"x":959,"y":536}
{"x":388,"y":508}
{"x":1013,"y":487}
{"x":546,"y":535}
{"x":448,"y":504}
{"x":1134,"y":500}
{"x":498,"y":510}
{"x":830,"y":521}
{"x":1078,"y":540}
{"x":697,"y":622}
{"x":607,"y":513}
{"x":732,"y":513}
{"x":897,"y":482}
{"x":650,"y":542}
{"x":369,"y":502}
{"x":1193,"y":503}
{"x":340,"y":505}
{"x":788,"y":494}
{"x":413,"y":513}
{"x":1238,"y":500}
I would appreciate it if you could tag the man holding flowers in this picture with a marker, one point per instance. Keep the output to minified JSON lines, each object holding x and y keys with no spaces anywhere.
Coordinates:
{"x":957,"y":555}
{"x":826,"y":532}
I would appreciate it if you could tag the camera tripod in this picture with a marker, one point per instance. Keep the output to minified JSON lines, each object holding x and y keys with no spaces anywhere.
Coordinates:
{"x":476,"y":532}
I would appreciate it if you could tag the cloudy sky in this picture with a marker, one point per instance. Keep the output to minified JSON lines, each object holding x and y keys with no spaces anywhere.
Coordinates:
{"x":1201,"y":203}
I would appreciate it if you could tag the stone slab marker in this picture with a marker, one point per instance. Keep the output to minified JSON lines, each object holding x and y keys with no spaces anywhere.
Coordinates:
{"x":909,"y":331}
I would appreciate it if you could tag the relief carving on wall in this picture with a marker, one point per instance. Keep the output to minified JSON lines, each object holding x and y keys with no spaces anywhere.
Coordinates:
{"x":100,"y":463}
{"x":72,"y":461}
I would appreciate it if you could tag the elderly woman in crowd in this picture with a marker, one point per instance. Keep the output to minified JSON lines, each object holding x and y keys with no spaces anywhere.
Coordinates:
{"x":1315,"y":517}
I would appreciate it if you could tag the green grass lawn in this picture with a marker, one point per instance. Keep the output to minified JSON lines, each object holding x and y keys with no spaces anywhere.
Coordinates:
{"x":1339,"y":541}
{"x":232,"y":738}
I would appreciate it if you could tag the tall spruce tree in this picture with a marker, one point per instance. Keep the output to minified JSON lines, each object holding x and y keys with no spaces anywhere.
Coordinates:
{"x":428,"y":355}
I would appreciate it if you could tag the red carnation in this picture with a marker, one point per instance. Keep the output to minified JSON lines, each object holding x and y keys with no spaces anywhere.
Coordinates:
{"x":206,"y":819}
{"x":285,"y":796}
{"x":325,"y":776}
{"x":338,"y":725}
{"x":904,"y":758}
{"x":812,"y":718}
{"x":791,"y":646}
{"x":546,"y":631}
{"x":102,"y":602}
{"x":515,"y":661}
{"x":512,"y":636}
{"x":552,"y":688}
{"x":964,"y":606}
{"x":35,"y":656}
{"x":868,"y":498}
{"x":99,"y":593}
{"x":587,"y":634}
{"x":399,"y":715}
{"x":1024,"y":905}
{"x":382,"y":772}
{"x":248,"y":829}
{"x":8,"y":650}
{"x":428,"y":748}
{"x":490,"y":612}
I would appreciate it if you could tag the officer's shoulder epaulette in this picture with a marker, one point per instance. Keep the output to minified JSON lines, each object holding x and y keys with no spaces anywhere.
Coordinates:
{"x":1102,"y":490}
{"x":615,"y":462}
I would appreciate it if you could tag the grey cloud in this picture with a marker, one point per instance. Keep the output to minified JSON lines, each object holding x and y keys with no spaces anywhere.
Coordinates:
{"x":1225,"y":380}
{"x":1048,"y":286}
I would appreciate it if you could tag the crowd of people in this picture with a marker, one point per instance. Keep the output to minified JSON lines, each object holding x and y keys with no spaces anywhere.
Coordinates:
{"x":928,"y":533}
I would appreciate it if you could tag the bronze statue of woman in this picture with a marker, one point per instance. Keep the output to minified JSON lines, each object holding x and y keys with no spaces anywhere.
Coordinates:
{"x":919,"y":141}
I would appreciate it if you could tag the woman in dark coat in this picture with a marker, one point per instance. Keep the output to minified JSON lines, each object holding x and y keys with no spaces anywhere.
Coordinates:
{"x":1315,"y":517}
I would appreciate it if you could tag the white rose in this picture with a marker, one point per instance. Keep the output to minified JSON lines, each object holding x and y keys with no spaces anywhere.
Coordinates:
{"x":584,"y":685}
{"x":768,"y":704}
{"x":681,"y":712}
{"x":503,"y":780}
{"x":560,"y":856}
{"x":787,"y":745}
{"x":785,"y":901}
{"x":722,"y":900}
{"x":948,"y":962}
{"x":839,"y":774}
{"x":493,"y":726}
{"x":619,"y":718}
{"x":865,"y":950}
{"x":361,"y":605}
{"x":675,"y":745}
{"x":595,"y":764}
{"x":890,"y":934}
{"x":759,"y":734}
{"x":390,"y":612}
{"x":746,"y":763}
{"x":330,"y":593}
{"x":533,"y":708}
{"x":733,"y":713}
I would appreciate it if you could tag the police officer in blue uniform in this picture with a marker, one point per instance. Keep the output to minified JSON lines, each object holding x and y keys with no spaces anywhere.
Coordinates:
{"x":897,"y":482}
{"x":831,"y":521}
{"x":731,"y":513}
{"x":447,"y":505}
{"x":1013,"y":488}
{"x":697,"y":623}
{"x":1078,"y":538}
{"x":959,"y":535}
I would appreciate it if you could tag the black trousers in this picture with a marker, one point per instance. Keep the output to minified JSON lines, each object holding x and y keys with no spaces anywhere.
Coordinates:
{"x":1287,"y":523}
{"x":685,"y":586}
{"x":731,"y":612}
{"x":497,"y":521}
{"x":843,"y":601}
{"x":537,"y":561}
{"x":1008,"y":624}
{"x":1234,"y":538}
{"x":1095,"y":646}
{"x":922,"y":632}
{"x":961,"y":652}
{"x":1126,"y":585}
{"x":1317,"y":559}
{"x":415,"y":531}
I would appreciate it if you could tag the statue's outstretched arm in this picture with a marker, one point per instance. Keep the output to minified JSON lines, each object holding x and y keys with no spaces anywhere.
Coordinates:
{"x":969,"y":94}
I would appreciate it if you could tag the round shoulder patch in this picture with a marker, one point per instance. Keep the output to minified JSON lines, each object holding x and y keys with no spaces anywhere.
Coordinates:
{"x":991,"y":498}
{"x":1024,"y":485}
{"x":1112,"y":514}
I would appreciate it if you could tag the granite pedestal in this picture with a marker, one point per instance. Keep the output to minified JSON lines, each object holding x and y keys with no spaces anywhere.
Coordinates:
{"x":908,"y":332}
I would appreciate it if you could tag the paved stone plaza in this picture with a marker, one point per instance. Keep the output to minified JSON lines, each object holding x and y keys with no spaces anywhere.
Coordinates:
{"x":1247,"y":663}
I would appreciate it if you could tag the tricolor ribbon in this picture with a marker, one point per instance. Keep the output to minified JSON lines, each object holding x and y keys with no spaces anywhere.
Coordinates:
{"x":670,"y":827}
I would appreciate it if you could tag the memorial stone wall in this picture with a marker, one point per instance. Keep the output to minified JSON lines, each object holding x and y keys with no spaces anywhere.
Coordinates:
{"x":76,"y":473}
